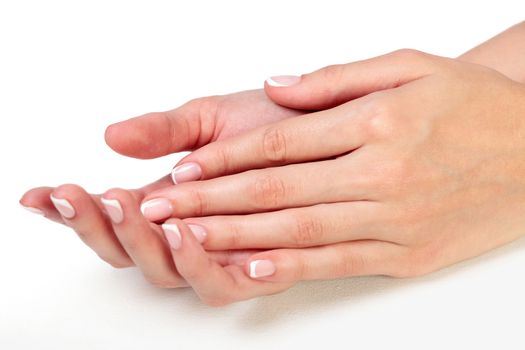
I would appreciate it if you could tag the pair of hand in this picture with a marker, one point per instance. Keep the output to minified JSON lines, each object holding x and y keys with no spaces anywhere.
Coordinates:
{"x":412,"y":162}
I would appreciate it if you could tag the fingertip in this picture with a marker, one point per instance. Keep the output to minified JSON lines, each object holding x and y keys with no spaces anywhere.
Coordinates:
{"x":173,"y":235}
{"x":184,"y":230}
{"x":68,"y":199}
{"x":37,"y":200}
{"x":260,"y":267}
{"x":277,"y":265}
{"x":120,"y":205}
{"x":137,"y":137}
{"x":282,"y":89}
{"x":109,"y":133}
{"x":122,"y":138}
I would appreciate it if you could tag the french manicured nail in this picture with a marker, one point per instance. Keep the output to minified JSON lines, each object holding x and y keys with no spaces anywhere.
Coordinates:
{"x":283,"y":80}
{"x":261,"y":268}
{"x":64,"y":207}
{"x":198,"y":231}
{"x":186,"y":172}
{"x":114,"y":210}
{"x":34,"y":210}
{"x":172,"y":233}
{"x":156,"y":209}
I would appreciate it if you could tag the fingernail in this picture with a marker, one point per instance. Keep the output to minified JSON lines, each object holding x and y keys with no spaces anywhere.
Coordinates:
{"x":114,"y":210}
{"x":261,"y":268}
{"x":64,"y":207}
{"x":186,"y":172}
{"x":33,"y":210}
{"x":198,"y":231}
{"x":172,"y":234}
{"x":283,"y":80}
{"x":156,"y":209}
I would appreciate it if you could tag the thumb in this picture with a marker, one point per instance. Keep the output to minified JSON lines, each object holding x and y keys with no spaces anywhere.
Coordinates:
{"x":157,"y":134}
{"x":333,"y":85}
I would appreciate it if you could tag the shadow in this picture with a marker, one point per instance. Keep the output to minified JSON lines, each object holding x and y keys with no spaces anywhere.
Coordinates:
{"x":307,"y":299}
{"x":316,"y":296}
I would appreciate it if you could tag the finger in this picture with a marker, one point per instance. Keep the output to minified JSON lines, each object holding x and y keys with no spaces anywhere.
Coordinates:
{"x":357,"y":258}
{"x":39,"y":198}
{"x":231,"y":257}
{"x":157,"y":134}
{"x":333,"y":85}
{"x":296,"y":185}
{"x":37,"y":201}
{"x":142,"y":240}
{"x":215,"y":285}
{"x":80,"y":212}
{"x":299,"y":139}
{"x":292,"y":228}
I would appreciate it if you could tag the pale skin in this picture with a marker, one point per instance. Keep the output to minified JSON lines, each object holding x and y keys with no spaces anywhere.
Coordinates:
{"x":414,"y":162}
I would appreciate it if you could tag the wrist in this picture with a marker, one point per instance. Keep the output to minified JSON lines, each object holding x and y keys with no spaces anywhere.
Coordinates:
{"x":504,"y":53}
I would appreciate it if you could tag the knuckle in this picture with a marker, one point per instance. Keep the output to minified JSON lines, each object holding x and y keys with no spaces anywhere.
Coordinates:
{"x":299,"y":270}
{"x":379,"y":119}
{"x":349,"y":264}
{"x":268,"y":191}
{"x":307,"y":230}
{"x":333,"y":73}
{"x":206,"y":109}
{"x":235,"y":237}
{"x":223,"y":158}
{"x":407,"y":54}
{"x":198,"y":200}
{"x":274,"y":145}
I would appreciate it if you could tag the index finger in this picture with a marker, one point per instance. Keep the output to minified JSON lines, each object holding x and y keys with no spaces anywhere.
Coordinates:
{"x":309,"y":137}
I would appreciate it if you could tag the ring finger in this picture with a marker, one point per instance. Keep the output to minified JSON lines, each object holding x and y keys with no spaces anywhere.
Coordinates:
{"x":292,"y":228}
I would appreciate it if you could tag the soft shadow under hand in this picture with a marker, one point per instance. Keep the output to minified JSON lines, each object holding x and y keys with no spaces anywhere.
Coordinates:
{"x":308,"y":297}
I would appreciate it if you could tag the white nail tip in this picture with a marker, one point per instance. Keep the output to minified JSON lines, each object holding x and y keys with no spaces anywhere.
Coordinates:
{"x":272,"y":82}
{"x":253,"y":268}
{"x":33,"y":210}
{"x":114,"y":209}
{"x":171,"y":228}
{"x":64,"y":207}
{"x":173,"y":176}
{"x":144,"y":206}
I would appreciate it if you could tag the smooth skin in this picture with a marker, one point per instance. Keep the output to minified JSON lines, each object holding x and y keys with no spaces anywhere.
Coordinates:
{"x":135,"y":241}
{"x":232,"y":233}
{"x":423,"y":174}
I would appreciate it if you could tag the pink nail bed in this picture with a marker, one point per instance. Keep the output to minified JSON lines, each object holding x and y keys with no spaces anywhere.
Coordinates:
{"x":156,"y":209}
{"x":186,"y":172}
{"x":64,"y":207}
{"x":114,"y":210}
{"x":198,"y":231}
{"x":172,"y":234}
{"x":261,"y":268}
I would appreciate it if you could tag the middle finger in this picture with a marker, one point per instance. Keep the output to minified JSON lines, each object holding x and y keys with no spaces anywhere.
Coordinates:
{"x":261,"y":190}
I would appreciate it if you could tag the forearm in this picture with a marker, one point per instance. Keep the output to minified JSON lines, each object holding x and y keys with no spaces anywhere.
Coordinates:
{"x":505,"y":53}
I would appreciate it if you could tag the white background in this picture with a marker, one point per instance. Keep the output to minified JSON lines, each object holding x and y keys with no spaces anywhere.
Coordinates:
{"x":70,"y":68}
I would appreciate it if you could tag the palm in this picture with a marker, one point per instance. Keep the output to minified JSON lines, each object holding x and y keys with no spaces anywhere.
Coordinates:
{"x":217,"y":118}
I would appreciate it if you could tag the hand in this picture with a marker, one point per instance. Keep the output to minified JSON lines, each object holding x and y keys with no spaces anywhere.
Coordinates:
{"x":401,"y":182}
{"x":134,"y":240}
